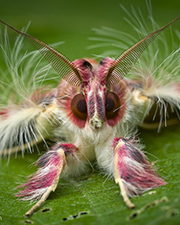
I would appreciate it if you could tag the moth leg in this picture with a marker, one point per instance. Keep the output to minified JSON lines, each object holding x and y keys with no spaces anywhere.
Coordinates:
{"x":165,"y":106}
{"x":51,"y":165}
{"x":142,"y":105}
{"x":134,"y":174}
{"x":22,"y":127}
{"x":158,"y":105}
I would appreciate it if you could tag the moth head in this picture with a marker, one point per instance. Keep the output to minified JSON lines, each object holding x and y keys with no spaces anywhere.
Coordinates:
{"x":97,"y":103}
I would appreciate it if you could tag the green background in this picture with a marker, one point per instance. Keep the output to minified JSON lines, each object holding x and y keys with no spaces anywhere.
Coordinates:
{"x":93,"y":199}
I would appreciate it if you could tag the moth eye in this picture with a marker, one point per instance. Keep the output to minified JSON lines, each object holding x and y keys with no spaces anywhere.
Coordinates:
{"x":78,"y":106}
{"x":112,"y":105}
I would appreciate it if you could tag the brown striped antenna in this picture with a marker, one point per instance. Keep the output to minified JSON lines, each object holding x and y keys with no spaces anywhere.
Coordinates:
{"x":123,"y":63}
{"x":61,"y":64}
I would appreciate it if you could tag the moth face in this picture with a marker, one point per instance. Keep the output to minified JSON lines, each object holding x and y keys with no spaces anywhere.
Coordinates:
{"x":96,"y":104}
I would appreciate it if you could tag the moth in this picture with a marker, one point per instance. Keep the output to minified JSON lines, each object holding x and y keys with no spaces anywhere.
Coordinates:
{"x":90,"y":115}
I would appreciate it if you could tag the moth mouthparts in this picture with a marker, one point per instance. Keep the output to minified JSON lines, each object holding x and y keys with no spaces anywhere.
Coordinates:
{"x":96,"y":123}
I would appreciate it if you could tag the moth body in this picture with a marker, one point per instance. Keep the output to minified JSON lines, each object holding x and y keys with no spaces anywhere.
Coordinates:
{"x":92,"y":114}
